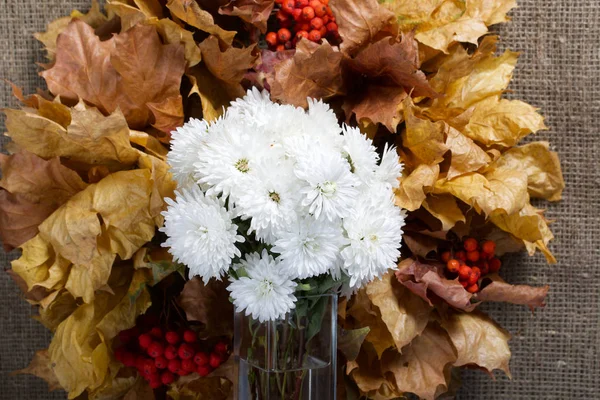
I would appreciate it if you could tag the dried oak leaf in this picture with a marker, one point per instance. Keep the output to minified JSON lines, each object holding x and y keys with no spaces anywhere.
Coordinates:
{"x":542,"y":166}
{"x":421,"y":279}
{"x":404,"y":314}
{"x":80,"y":350}
{"x":208,"y":304}
{"x":254,"y":12}
{"x":479,"y":341}
{"x":439,"y":23}
{"x":127,"y":71}
{"x":94,"y":18}
{"x":314,"y":71}
{"x":424,"y":366}
{"x":361,"y":22}
{"x":413,"y":187}
{"x":496,"y":289}
{"x":190,"y":12}
{"x":90,"y":138}
{"x":41,"y":366}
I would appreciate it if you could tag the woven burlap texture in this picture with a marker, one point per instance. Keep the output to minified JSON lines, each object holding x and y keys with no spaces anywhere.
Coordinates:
{"x":556,"y":352}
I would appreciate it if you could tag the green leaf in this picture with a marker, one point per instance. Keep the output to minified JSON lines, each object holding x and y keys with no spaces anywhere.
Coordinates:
{"x":350,"y":341}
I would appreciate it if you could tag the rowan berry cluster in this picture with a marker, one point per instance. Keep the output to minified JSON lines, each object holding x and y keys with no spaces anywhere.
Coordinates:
{"x":297,"y":19}
{"x":471,"y":261}
{"x":161,"y":356}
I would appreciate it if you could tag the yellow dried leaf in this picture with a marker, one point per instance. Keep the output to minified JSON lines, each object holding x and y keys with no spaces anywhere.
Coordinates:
{"x":190,"y":12}
{"x":129,"y":15}
{"x":444,"y":208}
{"x":542,"y":166}
{"x":503,"y":122}
{"x":478,"y":341}
{"x":171,"y":32}
{"x":424,"y":139}
{"x":364,"y":314}
{"x":424,"y":365}
{"x":404,"y":314}
{"x":213,"y":96}
{"x":411,"y":193}
{"x":466,"y":155}
{"x":56,"y":312}
{"x":150,"y":144}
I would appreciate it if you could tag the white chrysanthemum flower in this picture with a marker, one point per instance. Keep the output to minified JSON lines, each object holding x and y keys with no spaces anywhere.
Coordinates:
{"x":186,"y":142}
{"x":390,"y":168}
{"x":200,"y":233}
{"x":329,"y":189}
{"x":375,"y":233}
{"x":270,"y":199}
{"x":361,"y":154}
{"x":231,"y":152}
{"x":310,"y":248}
{"x":255,"y":106}
{"x":266,"y":293}
{"x":322,"y":123}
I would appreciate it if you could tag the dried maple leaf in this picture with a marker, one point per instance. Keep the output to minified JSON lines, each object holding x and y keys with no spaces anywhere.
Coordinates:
{"x":496,"y":289}
{"x":57,"y":311}
{"x":478,"y":341}
{"x":366,"y":371}
{"x":377,"y":104}
{"x":314,"y":71}
{"x":411,"y":193}
{"x":255,"y":12}
{"x":213,"y":96}
{"x":208,"y":304}
{"x":349,"y":342}
{"x":171,"y":32}
{"x":542,"y":166}
{"x":404,"y":314}
{"x":424,"y":366}
{"x":168,"y":115}
{"x":190,"y":12}
{"x":41,"y":366}
{"x":422,"y":137}
{"x":445,"y":209}
{"x":466,"y":156}
{"x":362,"y":22}
{"x":421,"y":278}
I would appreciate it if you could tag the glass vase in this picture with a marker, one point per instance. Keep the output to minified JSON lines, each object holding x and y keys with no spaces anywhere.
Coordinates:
{"x":289,"y":359}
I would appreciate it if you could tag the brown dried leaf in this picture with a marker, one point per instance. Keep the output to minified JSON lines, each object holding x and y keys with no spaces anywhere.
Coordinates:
{"x":421,"y":278}
{"x":208,"y":304}
{"x":171,"y":32}
{"x":466,"y":155}
{"x":361,"y":22}
{"x":445,"y":209}
{"x":542,"y":166}
{"x":190,"y":12}
{"x":404,"y":314}
{"x":168,"y":115}
{"x":314,"y":71}
{"x":499,"y":290}
{"x":255,"y":12}
{"x":424,"y":366}
{"x":41,"y":366}
{"x":478,"y":341}
{"x":129,"y":15}
{"x":411,"y":193}
{"x":377,"y":104}
{"x":424,"y":138}
{"x":212,"y":93}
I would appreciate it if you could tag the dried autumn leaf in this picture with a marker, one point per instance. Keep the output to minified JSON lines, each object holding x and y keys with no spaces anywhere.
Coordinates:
{"x":190,"y":12}
{"x":208,"y":304}
{"x":361,"y":22}
{"x":40,"y":366}
{"x":129,"y":15}
{"x":213,"y":96}
{"x":424,"y":366}
{"x":422,"y":137}
{"x":366,"y":370}
{"x":364,"y":313}
{"x":404,"y":314}
{"x":411,"y":193}
{"x":503,"y":122}
{"x":421,"y":278}
{"x":445,"y":209}
{"x":314,"y":71}
{"x":218,"y":386}
{"x":228,"y":66}
{"x":499,"y":290}
{"x":466,"y":155}
{"x":56,"y":312}
{"x":171,"y":32}
{"x":544,"y":175}
{"x":91,"y":138}
{"x":377,"y":104}
{"x":349,"y":342}
{"x":254,"y":12}
{"x":478,"y":341}
{"x":168,"y":114}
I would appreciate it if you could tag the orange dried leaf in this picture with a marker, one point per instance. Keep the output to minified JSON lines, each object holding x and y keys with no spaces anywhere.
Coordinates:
{"x":190,"y":12}
{"x":499,"y":290}
{"x":255,"y":12}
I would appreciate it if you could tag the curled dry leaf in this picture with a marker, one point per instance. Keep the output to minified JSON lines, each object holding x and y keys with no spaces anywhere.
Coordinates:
{"x":366,"y":372}
{"x":377,"y":104}
{"x":423,"y":138}
{"x":219,"y":385}
{"x":445,"y":208}
{"x":213,"y":96}
{"x":254,"y":12}
{"x":314,"y":71}
{"x":499,"y":290}
{"x":208,"y":304}
{"x":190,"y":12}
{"x":412,"y":191}
{"x":424,"y":366}
{"x":478,"y":341}
{"x":466,"y":156}
{"x":404,"y":314}
{"x":421,"y":279}
{"x":41,"y":366}
{"x":361,"y":22}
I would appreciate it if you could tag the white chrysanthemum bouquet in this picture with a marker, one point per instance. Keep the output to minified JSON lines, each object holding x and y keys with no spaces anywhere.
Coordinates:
{"x":281,"y":200}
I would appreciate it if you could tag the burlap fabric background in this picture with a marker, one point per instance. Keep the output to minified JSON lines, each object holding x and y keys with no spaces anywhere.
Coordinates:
{"x":556,"y":353}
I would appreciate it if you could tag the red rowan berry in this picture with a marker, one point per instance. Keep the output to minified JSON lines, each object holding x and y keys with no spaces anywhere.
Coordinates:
{"x":161,"y":362}
{"x":167,"y":378}
{"x":203,"y":370}
{"x":320,"y":8}
{"x":221,"y":348}
{"x":464,"y":272}
{"x":170,"y":352}
{"x":474,"y":288}
{"x":156,"y":349}
{"x":308,"y":13}
{"x":301,"y":34}
{"x":174,"y":366}
{"x":316,"y":23}
{"x":473,"y":256}
{"x":495,"y":264}
{"x":464,"y":283}
{"x":172,"y":337}
{"x":283,"y":35}
{"x":332,"y":27}
{"x":201,"y":358}
{"x":488,"y":247}
{"x":303,"y":27}
{"x":129,"y":359}
{"x":473,"y":278}
{"x":185,"y":351}
{"x":156,"y":332}
{"x":188,"y":365}
{"x":460,"y":255}
{"x":149,"y":367}
{"x":215,"y":360}
{"x":453,"y":265}
{"x":484,"y":267}
{"x":155,"y":382}
{"x":477,"y":271}
{"x":323,"y":31}
{"x":271,"y":39}
{"x":297,"y":14}
{"x":301,"y":4}
{"x":288,"y":6}
{"x":314,"y":35}
{"x":446,"y":256}
{"x":470,"y":244}
{"x":145,"y":340}
{"x":280,"y":47}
